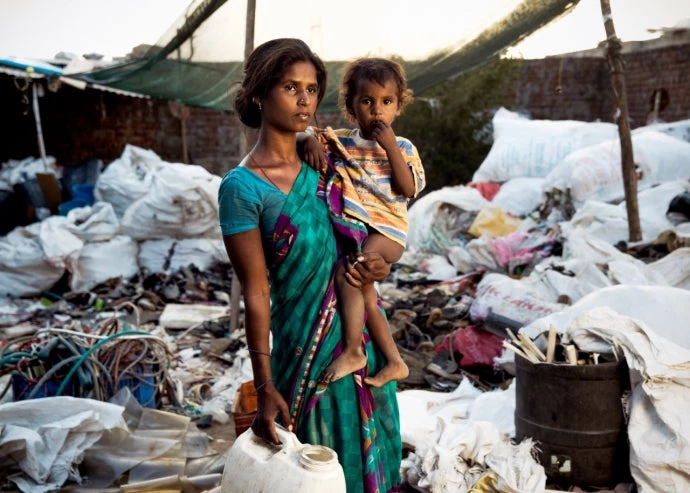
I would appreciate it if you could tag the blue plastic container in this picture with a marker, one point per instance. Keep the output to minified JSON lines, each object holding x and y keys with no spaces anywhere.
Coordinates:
{"x":83,"y":191}
{"x":21,"y":388}
{"x":142,"y":387}
{"x":65,"y":207}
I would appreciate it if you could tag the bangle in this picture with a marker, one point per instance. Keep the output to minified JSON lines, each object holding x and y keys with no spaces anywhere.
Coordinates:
{"x":261,"y":386}
{"x":259,"y":352}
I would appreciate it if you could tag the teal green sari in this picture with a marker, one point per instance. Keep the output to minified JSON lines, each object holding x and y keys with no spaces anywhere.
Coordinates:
{"x":359,"y":422}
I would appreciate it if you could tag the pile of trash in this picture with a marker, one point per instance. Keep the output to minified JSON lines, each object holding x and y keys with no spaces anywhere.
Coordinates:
{"x":88,"y":320}
{"x":531,"y":258}
{"x":147,"y":214}
{"x":542,"y":230}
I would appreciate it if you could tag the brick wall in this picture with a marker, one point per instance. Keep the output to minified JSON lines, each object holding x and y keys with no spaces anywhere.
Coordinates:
{"x":663,"y":68}
{"x":586,"y":86}
{"x":80,"y":125}
{"x":564,"y":89}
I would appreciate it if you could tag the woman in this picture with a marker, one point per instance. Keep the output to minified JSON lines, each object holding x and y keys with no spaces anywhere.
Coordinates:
{"x":275,"y":219}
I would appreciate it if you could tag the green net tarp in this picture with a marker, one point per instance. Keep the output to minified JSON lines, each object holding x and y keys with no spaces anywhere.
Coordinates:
{"x":199,"y":60}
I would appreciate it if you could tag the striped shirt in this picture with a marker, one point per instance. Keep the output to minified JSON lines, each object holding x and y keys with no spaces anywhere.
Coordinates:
{"x":368,"y":191}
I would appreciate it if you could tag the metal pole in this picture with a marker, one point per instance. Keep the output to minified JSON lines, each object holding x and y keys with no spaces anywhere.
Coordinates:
{"x":613,"y":54}
{"x":244,"y":145}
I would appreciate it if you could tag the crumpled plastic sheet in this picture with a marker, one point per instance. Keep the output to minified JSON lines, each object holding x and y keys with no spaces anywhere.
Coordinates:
{"x":46,"y":439}
{"x":49,"y":437}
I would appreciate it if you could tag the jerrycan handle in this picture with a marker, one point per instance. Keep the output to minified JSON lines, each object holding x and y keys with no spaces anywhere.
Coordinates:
{"x":289,"y":439}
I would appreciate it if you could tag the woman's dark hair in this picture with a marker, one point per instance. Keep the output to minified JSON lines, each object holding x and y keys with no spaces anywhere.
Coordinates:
{"x":377,"y":70}
{"x":265,"y":67}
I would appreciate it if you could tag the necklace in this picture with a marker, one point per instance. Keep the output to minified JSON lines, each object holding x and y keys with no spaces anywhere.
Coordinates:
{"x":263,"y":172}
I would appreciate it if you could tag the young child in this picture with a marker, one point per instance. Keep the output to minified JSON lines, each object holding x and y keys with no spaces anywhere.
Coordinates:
{"x":380,"y":172}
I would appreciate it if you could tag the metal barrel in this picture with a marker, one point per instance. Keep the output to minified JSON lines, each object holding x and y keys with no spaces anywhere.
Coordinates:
{"x":575,"y":413}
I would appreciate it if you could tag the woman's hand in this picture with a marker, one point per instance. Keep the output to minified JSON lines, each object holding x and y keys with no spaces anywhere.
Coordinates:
{"x":366,"y":268}
{"x":314,"y":154}
{"x":270,"y":404}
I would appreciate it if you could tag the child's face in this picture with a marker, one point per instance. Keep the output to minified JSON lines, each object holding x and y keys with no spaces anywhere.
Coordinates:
{"x":375,"y":103}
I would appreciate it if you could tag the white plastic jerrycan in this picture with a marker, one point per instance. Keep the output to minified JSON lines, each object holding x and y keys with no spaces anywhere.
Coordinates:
{"x":253,"y":466}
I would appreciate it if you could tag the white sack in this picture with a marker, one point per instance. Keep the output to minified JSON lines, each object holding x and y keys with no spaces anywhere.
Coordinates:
{"x":438,"y":268}
{"x":665,"y":309}
{"x":423,"y":212}
{"x":671,"y":270}
{"x":103,"y":260}
{"x":464,"y":453}
{"x":522,"y":301}
{"x":589,"y":264}
{"x":594,"y":173}
{"x":58,"y":243}
{"x":482,"y":253}
{"x":519,"y":196}
{"x":32,"y":258}
{"x":572,"y":278}
{"x":532,"y":148}
{"x":16,"y":171}
{"x":202,"y":252}
{"x":609,"y":222}
{"x":128,"y":178}
{"x":674,"y":268}
{"x":93,"y":223}
{"x":679,"y":130}
{"x":461,"y":259}
{"x":181,"y":202}
{"x":457,"y":437}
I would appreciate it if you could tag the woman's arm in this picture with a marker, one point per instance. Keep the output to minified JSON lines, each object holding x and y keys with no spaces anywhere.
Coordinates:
{"x":246,"y":255}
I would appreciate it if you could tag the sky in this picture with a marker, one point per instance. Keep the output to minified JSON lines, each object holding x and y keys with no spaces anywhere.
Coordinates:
{"x":42,"y":28}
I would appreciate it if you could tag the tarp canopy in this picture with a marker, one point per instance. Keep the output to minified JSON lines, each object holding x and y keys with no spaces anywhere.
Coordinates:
{"x":199,"y":60}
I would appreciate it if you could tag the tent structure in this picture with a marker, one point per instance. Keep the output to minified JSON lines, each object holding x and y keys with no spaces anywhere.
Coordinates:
{"x":199,"y":60}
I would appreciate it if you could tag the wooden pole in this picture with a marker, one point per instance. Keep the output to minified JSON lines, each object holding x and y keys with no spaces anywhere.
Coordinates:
{"x":244,"y":146}
{"x":183,"y":130}
{"x":613,"y":54}
{"x":249,"y":29}
{"x":39,"y":126}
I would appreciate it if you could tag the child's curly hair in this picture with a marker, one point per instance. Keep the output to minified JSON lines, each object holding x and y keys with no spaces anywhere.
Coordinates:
{"x":379,"y":70}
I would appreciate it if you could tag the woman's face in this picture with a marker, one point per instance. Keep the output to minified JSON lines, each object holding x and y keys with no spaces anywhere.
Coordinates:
{"x":291,"y":103}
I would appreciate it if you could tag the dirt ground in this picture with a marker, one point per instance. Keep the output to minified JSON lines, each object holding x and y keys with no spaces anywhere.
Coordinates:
{"x":222,"y":435}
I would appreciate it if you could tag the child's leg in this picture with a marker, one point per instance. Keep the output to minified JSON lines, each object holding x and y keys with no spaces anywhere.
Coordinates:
{"x":395,"y":368}
{"x":351,"y":307}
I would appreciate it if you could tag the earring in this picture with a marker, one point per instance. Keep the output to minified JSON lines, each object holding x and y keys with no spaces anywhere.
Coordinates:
{"x":260,"y":107}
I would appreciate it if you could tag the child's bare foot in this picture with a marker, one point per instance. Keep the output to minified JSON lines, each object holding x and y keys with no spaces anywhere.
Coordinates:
{"x":348,"y":362}
{"x":394,"y":370}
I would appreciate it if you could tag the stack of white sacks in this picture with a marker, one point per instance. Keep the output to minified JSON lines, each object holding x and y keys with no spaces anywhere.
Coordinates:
{"x":147,"y":213}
